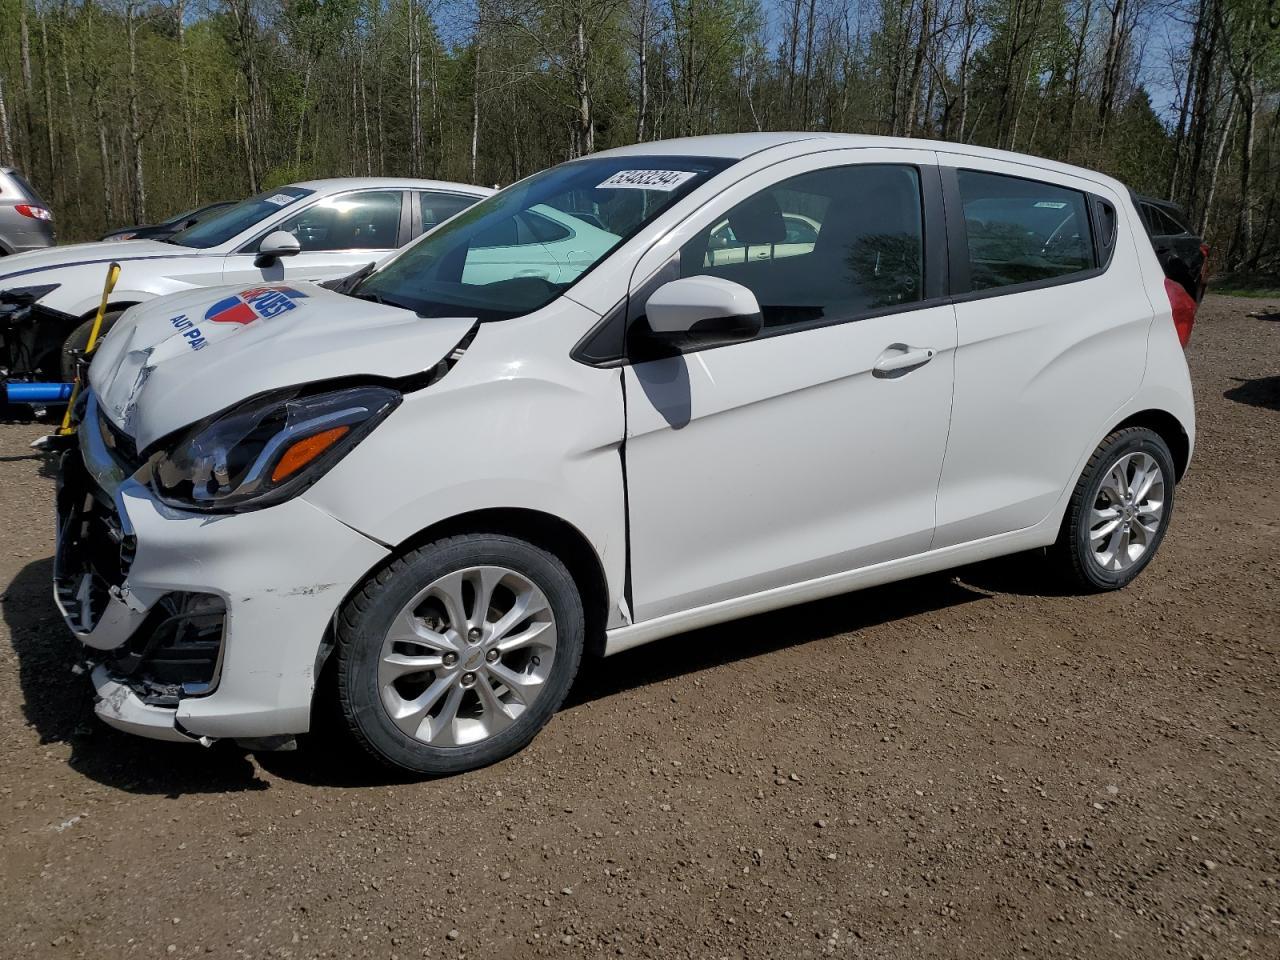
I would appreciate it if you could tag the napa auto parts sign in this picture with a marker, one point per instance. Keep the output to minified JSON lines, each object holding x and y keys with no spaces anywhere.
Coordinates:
{"x":242,"y":308}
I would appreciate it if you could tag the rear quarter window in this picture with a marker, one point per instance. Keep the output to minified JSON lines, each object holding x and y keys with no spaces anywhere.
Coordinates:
{"x":28,"y":192}
{"x":1023,"y":231}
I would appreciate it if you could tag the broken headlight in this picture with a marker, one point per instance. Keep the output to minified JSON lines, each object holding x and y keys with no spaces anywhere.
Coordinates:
{"x":267,"y":449}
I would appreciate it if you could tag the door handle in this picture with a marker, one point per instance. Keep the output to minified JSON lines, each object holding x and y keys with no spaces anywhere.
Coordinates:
{"x":899,"y":358}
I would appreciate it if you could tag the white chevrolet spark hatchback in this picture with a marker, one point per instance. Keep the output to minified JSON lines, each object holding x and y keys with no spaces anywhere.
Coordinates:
{"x":648,"y":390}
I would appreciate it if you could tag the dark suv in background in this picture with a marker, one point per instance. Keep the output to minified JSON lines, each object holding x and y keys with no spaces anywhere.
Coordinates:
{"x":25,"y":221}
{"x":1182,"y":253}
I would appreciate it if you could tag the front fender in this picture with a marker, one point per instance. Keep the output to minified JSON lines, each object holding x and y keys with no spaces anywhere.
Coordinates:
{"x":79,"y":289}
{"x":516,"y":424}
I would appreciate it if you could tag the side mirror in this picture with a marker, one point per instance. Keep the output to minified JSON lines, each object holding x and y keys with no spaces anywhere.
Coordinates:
{"x":276,"y":245}
{"x":702,"y":311}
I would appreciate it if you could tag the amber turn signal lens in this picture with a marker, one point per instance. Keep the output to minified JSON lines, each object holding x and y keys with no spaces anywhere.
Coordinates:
{"x":306,"y":450}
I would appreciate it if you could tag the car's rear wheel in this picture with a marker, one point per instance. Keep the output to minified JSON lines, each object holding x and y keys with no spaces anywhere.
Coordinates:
{"x":78,"y":340}
{"x":455,"y":655}
{"x":1119,"y":511}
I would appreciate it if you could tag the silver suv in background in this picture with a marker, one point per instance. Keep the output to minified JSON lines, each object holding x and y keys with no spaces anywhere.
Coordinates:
{"x":26,"y":223}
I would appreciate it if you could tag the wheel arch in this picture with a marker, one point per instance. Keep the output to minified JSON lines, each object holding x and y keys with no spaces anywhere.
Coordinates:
{"x":1169,"y":428}
{"x":545,"y":530}
{"x":112,"y":307}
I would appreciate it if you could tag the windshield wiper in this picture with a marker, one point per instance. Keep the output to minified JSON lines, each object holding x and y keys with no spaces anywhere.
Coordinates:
{"x":345,"y":285}
{"x":383,"y":301}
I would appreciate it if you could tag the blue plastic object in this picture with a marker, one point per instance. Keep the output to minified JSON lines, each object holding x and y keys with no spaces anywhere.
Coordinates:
{"x":36,"y":392}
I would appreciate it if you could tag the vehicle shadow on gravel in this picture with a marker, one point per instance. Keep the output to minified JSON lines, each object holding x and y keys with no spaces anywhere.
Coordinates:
{"x":1259,"y":392}
{"x":58,"y":705}
{"x":767,"y":632}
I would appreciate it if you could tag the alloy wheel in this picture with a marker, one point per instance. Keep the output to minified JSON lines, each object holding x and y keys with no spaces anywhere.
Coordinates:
{"x":1125,"y":518}
{"x":467,"y":656}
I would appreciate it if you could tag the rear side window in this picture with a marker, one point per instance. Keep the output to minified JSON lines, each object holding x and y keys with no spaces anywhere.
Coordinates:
{"x":439,"y":207}
{"x":1162,"y":222}
{"x":25,"y":188}
{"x":1023,"y":231}
{"x":821,"y":247}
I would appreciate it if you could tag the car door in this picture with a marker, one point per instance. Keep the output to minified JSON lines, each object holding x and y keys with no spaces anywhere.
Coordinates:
{"x":1052,"y":323}
{"x":814,"y":448}
{"x":337,"y":234}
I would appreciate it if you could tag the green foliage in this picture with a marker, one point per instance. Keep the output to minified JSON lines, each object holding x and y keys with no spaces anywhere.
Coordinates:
{"x":250,"y":94}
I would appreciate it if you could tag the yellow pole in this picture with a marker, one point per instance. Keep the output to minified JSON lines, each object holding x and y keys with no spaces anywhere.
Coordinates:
{"x":113,"y":275}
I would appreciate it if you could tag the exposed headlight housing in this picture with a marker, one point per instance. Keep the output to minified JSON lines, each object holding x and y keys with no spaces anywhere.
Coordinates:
{"x":266,"y":450}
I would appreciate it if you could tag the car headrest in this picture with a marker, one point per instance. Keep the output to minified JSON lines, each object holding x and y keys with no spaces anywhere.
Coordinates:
{"x":758,"y":220}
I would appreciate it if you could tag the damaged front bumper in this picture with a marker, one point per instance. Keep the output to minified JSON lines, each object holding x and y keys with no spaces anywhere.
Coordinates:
{"x":197,"y":626}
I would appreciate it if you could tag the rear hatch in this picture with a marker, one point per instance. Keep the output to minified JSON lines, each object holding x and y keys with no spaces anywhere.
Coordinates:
{"x":30,"y":221}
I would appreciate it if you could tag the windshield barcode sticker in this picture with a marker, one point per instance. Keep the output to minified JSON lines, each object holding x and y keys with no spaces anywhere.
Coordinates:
{"x":1050,"y":204}
{"x":281,"y":199}
{"x":646,"y":180}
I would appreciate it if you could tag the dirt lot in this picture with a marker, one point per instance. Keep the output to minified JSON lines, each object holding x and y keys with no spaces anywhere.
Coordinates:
{"x":957,"y":766}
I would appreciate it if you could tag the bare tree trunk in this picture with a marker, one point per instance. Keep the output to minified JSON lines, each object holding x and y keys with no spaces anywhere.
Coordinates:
{"x":808,"y":65}
{"x":475,"y":108}
{"x":6,"y":139}
{"x":104,"y":157}
{"x":28,"y":150}
{"x":585,"y":133}
{"x":1184,"y":108}
{"x":917,"y":69}
{"x":1077,"y":66}
{"x":382,"y":153}
{"x":139,"y":193}
{"x":1248,"y":104}
{"x":364,"y":114}
{"x":188,"y":122}
{"x":302,"y":115}
{"x":793,"y":43}
{"x":644,"y":70}
{"x":415,"y":92}
{"x":1217,"y":166}
{"x":56,"y":173}
{"x":1110,"y":67}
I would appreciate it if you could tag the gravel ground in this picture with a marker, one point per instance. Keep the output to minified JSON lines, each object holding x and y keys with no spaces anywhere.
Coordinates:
{"x":962,"y":765}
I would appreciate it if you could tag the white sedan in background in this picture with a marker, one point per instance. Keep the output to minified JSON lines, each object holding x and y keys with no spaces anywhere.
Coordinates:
{"x":318,"y":230}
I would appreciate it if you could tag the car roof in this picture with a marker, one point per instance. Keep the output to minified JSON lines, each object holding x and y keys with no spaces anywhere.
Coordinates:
{"x":737,"y":146}
{"x":333,"y":184}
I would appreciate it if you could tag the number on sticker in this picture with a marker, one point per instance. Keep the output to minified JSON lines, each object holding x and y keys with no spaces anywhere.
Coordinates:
{"x":646,"y":180}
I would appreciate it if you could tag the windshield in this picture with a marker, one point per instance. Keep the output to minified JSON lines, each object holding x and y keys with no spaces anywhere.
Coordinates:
{"x":234,"y":220}
{"x":520,"y":249}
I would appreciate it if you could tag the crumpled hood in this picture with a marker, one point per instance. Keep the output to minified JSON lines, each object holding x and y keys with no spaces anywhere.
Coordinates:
{"x":15,"y":270}
{"x":175,"y":360}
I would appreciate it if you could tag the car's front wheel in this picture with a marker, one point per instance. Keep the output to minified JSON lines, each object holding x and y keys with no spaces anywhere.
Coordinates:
{"x":78,"y":341}
{"x":1119,"y":511}
{"x":455,"y":655}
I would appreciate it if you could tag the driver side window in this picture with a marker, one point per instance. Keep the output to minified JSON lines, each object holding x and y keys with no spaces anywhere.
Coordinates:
{"x":352,"y":221}
{"x":820,"y":247}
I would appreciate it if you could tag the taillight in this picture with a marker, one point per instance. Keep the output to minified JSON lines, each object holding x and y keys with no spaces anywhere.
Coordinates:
{"x":1204,"y":264}
{"x":1184,"y":310}
{"x":35,"y":213}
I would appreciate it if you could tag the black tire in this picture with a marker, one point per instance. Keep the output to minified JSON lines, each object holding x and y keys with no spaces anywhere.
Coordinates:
{"x":78,"y":340}
{"x":365,"y":619}
{"x":1076,"y":559}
